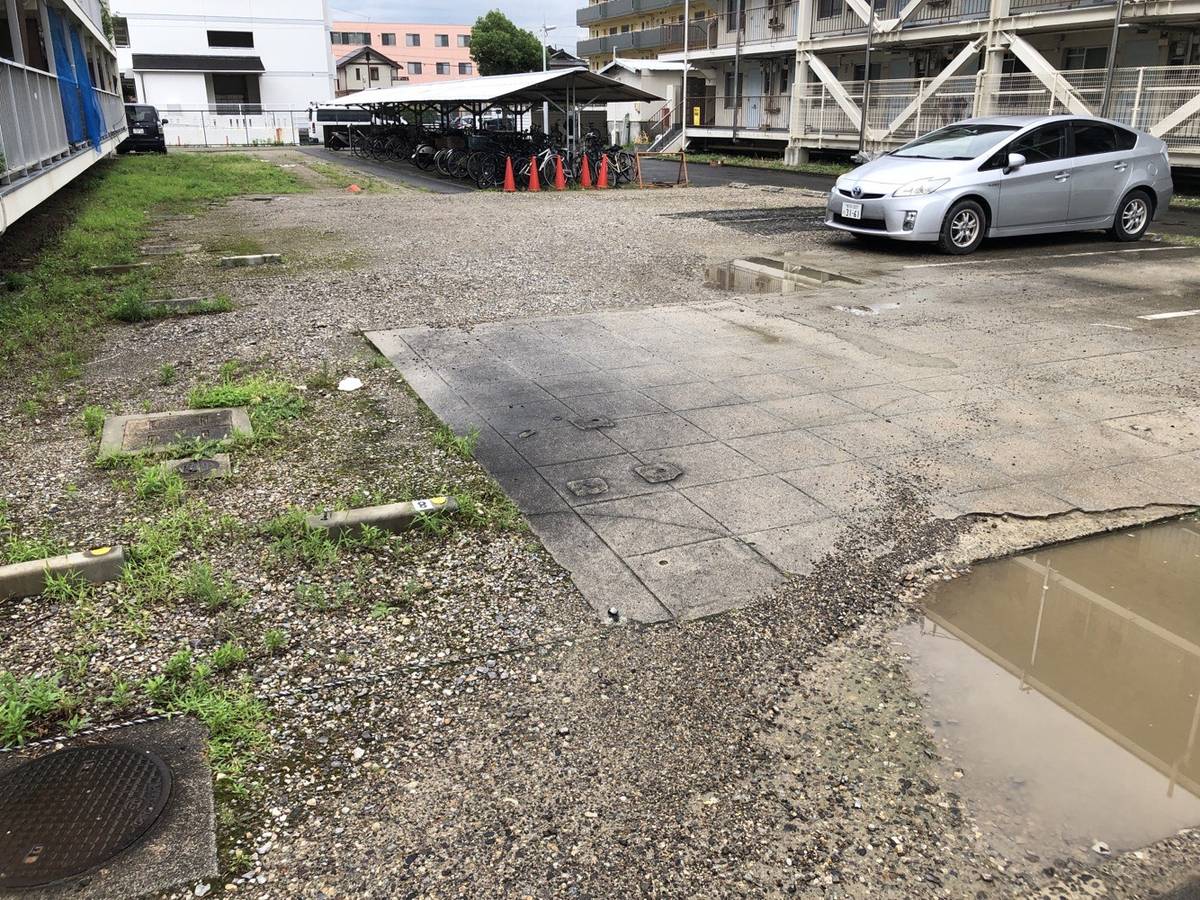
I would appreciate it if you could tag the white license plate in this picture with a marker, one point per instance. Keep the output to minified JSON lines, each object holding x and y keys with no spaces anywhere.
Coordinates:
{"x":139,"y":131}
{"x":852,"y":210}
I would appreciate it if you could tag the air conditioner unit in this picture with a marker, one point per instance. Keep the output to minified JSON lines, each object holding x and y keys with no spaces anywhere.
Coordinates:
{"x":775,"y":24}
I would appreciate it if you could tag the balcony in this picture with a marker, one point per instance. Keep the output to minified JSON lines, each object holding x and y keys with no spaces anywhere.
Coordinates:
{"x":840,"y":19}
{"x":754,"y":114}
{"x":1017,"y":7}
{"x":614,"y":9}
{"x":761,"y":24}
{"x":662,"y":37}
{"x":33,"y":130}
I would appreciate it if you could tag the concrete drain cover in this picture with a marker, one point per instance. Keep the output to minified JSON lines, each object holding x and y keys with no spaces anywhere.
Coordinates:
{"x":657,"y":473}
{"x":69,"y":812}
{"x":590,"y":423}
{"x":130,"y":434}
{"x":588,"y":487}
{"x":195,"y":469}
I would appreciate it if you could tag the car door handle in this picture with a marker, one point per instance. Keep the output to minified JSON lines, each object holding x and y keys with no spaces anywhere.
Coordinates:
{"x":1121,"y":167}
{"x":1062,"y":176}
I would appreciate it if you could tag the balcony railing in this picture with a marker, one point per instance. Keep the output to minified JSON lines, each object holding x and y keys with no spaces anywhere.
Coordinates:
{"x":1025,"y":6}
{"x":612,"y":9}
{"x":661,"y":37}
{"x":843,"y":19}
{"x":755,"y":113}
{"x":1140,"y":97}
{"x":761,"y":24}
{"x":33,"y":132}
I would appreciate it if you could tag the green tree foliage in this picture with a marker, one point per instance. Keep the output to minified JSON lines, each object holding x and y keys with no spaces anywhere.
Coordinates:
{"x":501,"y":48}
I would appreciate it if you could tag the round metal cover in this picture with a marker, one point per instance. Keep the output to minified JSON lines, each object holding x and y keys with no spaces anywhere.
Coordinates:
{"x":71,"y":811}
{"x":194,"y":468}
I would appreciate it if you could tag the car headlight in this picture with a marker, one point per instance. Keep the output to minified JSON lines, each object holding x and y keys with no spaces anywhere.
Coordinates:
{"x":920,"y":188}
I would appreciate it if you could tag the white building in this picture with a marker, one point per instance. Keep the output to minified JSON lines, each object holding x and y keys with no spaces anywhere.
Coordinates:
{"x":223,"y":57}
{"x":60,"y":112}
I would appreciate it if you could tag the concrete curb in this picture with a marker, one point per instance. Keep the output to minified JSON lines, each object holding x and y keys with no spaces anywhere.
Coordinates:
{"x":393,"y":517}
{"x":258,"y":259}
{"x":28,"y":579}
{"x":121,"y":269}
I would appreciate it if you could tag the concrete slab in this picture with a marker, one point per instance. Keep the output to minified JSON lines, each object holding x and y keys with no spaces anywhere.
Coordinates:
{"x":157,"y":431}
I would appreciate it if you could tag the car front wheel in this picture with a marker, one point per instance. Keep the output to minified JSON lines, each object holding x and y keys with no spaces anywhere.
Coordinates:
{"x":1133,"y":217}
{"x":963,"y":228}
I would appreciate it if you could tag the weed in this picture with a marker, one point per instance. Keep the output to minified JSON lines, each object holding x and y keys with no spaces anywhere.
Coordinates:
{"x":121,"y":695}
{"x":294,"y":541}
{"x":460,"y":445}
{"x":130,"y":306}
{"x":167,"y":374}
{"x":324,"y":379}
{"x":76,"y":724}
{"x":270,"y":401}
{"x":26,"y":704}
{"x":228,"y":656}
{"x":370,"y":537}
{"x":201,"y":586}
{"x":69,"y":587}
{"x":274,"y":640}
{"x":382,"y":609}
{"x":159,"y":482}
{"x":93,"y":419}
{"x":315,"y":597}
{"x":179,"y":666}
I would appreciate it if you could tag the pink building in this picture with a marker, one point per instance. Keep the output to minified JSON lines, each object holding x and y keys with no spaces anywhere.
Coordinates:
{"x":421,"y":52}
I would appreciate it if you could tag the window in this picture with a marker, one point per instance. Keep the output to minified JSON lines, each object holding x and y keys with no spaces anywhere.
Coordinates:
{"x":464,"y":68}
{"x":732,"y":98}
{"x":1125,"y":139}
{"x":441,"y":40}
{"x":624,"y":29}
{"x":231,"y":39}
{"x":828,"y":9}
{"x":1093,"y":137}
{"x":412,"y":40}
{"x":388,"y":39}
{"x":120,"y":26}
{"x":956,"y":142}
{"x":1044,"y":144}
{"x":464,"y":40}
{"x":357,"y":74}
{"x":443,"y":68}
{"x":1085,"y":57}
{"x":373,"y":73}
{"x":128,"y":89}
{"x":350,"y":37}
{"x":783,"y":79}
{"x":414,"y":68}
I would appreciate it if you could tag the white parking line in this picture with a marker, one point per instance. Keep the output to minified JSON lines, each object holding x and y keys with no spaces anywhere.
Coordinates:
{"x":996,"y":259}
{"x":1106,"y":325}
{"x":1172,"y":315}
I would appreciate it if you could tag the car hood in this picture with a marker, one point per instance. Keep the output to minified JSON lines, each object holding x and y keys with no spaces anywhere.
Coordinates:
{"x":897,"y":171}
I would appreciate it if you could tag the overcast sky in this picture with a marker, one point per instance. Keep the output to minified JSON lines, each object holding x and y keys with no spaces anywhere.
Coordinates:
{"x":526,"y":13}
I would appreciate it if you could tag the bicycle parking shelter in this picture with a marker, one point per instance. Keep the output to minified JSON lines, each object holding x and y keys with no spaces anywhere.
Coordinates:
{"x":568,"y":91}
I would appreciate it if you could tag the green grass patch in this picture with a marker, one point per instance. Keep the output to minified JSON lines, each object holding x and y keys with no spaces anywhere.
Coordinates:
{"x":157,"y":482}
{"x":17,"y":548}
{"x":29,"y":704}
{"x":754,"y":162}
{"x":460,"y":445}
{"x":270,"y":401}
{"x":48,"y":314}
{"x":1183,"y":201}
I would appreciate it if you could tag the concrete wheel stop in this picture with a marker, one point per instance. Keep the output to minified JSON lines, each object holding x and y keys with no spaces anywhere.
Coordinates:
{"x":392,"y":517}
{"x":28,"y":579}
{"x":121,"y":269}
{"x":181,"y":306}
{"x":121,"y":813}
{"x":256,"y":259}
{"x":158,"y":431}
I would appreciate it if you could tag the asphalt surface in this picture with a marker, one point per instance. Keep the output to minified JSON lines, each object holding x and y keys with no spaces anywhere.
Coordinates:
{"x":395,"y":173}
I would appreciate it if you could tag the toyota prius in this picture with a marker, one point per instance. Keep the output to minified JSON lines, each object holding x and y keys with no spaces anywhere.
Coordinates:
{"x":1007,"y":175}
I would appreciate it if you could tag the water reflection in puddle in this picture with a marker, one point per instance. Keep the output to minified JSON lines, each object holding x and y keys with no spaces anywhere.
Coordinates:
{"x":756,"y":275}
{"x":1065,"y":685}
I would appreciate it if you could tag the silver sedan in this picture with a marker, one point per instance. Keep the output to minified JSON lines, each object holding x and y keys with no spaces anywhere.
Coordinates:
{"x":1007,"y":175}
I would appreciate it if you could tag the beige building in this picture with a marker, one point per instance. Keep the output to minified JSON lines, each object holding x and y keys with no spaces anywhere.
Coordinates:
{"x":364,"y":69}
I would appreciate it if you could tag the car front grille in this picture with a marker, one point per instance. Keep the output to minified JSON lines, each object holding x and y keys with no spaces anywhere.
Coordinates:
{"x":865,"y":195}
{"x":864,"y":223}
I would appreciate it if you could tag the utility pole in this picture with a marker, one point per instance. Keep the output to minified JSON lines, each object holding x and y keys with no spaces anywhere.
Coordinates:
{"x":546,"y":29}
{"x":1112,"y":59}
{"x":687,"y":24}
{"x":862,"y":123}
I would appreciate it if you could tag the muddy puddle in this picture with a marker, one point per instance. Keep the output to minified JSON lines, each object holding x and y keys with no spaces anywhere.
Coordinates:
{"x":1063,"y":688}
{"x":754,"y":275}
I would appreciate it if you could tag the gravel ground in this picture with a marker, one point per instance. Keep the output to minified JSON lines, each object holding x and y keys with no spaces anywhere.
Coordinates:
{"x":452,"y":722}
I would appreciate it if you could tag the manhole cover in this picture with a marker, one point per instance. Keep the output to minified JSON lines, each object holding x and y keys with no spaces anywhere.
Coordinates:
{"x":589,"y":423}
{"x":69,"y":812}
{"x":156,"y":432}
{"x":198,"y":468}
{"x":657,"y":473}
{"x":588,"y":487}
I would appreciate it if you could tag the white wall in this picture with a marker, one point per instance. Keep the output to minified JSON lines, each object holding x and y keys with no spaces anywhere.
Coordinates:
{"x":290,"y":36}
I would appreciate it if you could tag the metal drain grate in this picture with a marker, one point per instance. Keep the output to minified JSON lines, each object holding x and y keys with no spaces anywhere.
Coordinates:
{"x":71,"y":811}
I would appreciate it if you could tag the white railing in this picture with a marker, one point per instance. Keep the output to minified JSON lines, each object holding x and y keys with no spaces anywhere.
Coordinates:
{"x":228,"y":125}
{"x":1140,"y":97}
{"x":755,"y":113}
{"x":32,"y":130}
{"x":760,"y":23}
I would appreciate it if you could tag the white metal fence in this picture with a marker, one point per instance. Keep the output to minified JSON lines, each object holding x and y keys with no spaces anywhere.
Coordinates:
{"x":229,"y":125}
{"x":1141,"y":97}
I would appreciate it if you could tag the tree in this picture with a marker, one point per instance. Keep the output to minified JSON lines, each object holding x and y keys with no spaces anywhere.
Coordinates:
{"x":501,"y":48}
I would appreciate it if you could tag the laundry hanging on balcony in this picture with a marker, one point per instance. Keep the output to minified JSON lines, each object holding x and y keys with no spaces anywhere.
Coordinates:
{"x":81,"y":109}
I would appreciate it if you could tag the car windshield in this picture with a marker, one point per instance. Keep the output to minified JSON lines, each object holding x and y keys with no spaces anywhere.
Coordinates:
{"x":956,"y":142}
{"x":141,"y":115}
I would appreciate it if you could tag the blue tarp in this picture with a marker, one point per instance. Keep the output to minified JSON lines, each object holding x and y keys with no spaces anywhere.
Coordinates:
{"x":81,"y":107}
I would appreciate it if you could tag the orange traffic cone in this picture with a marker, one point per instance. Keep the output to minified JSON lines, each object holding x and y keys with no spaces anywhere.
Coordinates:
{"x":354,"y":189}
{"x":510,"y":183}
{"x":602,"y":176}
{"x":560,"y":180}
{"x":534,"y":183}
{"x":585,"y":179}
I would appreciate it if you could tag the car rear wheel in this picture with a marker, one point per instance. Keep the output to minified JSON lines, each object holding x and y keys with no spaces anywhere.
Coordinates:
{"x":1133,"y":217}
{"x":963,"y":228}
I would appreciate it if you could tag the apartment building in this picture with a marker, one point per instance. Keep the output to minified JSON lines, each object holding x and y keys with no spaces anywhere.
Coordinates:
{"x":790,"y":75}
{"x":635,"y":29}
{"x":420,"y":52}
{"x":224,"y":56}
{"x":60,"y":112}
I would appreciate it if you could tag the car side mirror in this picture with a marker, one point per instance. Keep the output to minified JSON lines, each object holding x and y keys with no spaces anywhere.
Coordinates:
{"x":163,"y":122}
{"x":1015,"y":161}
